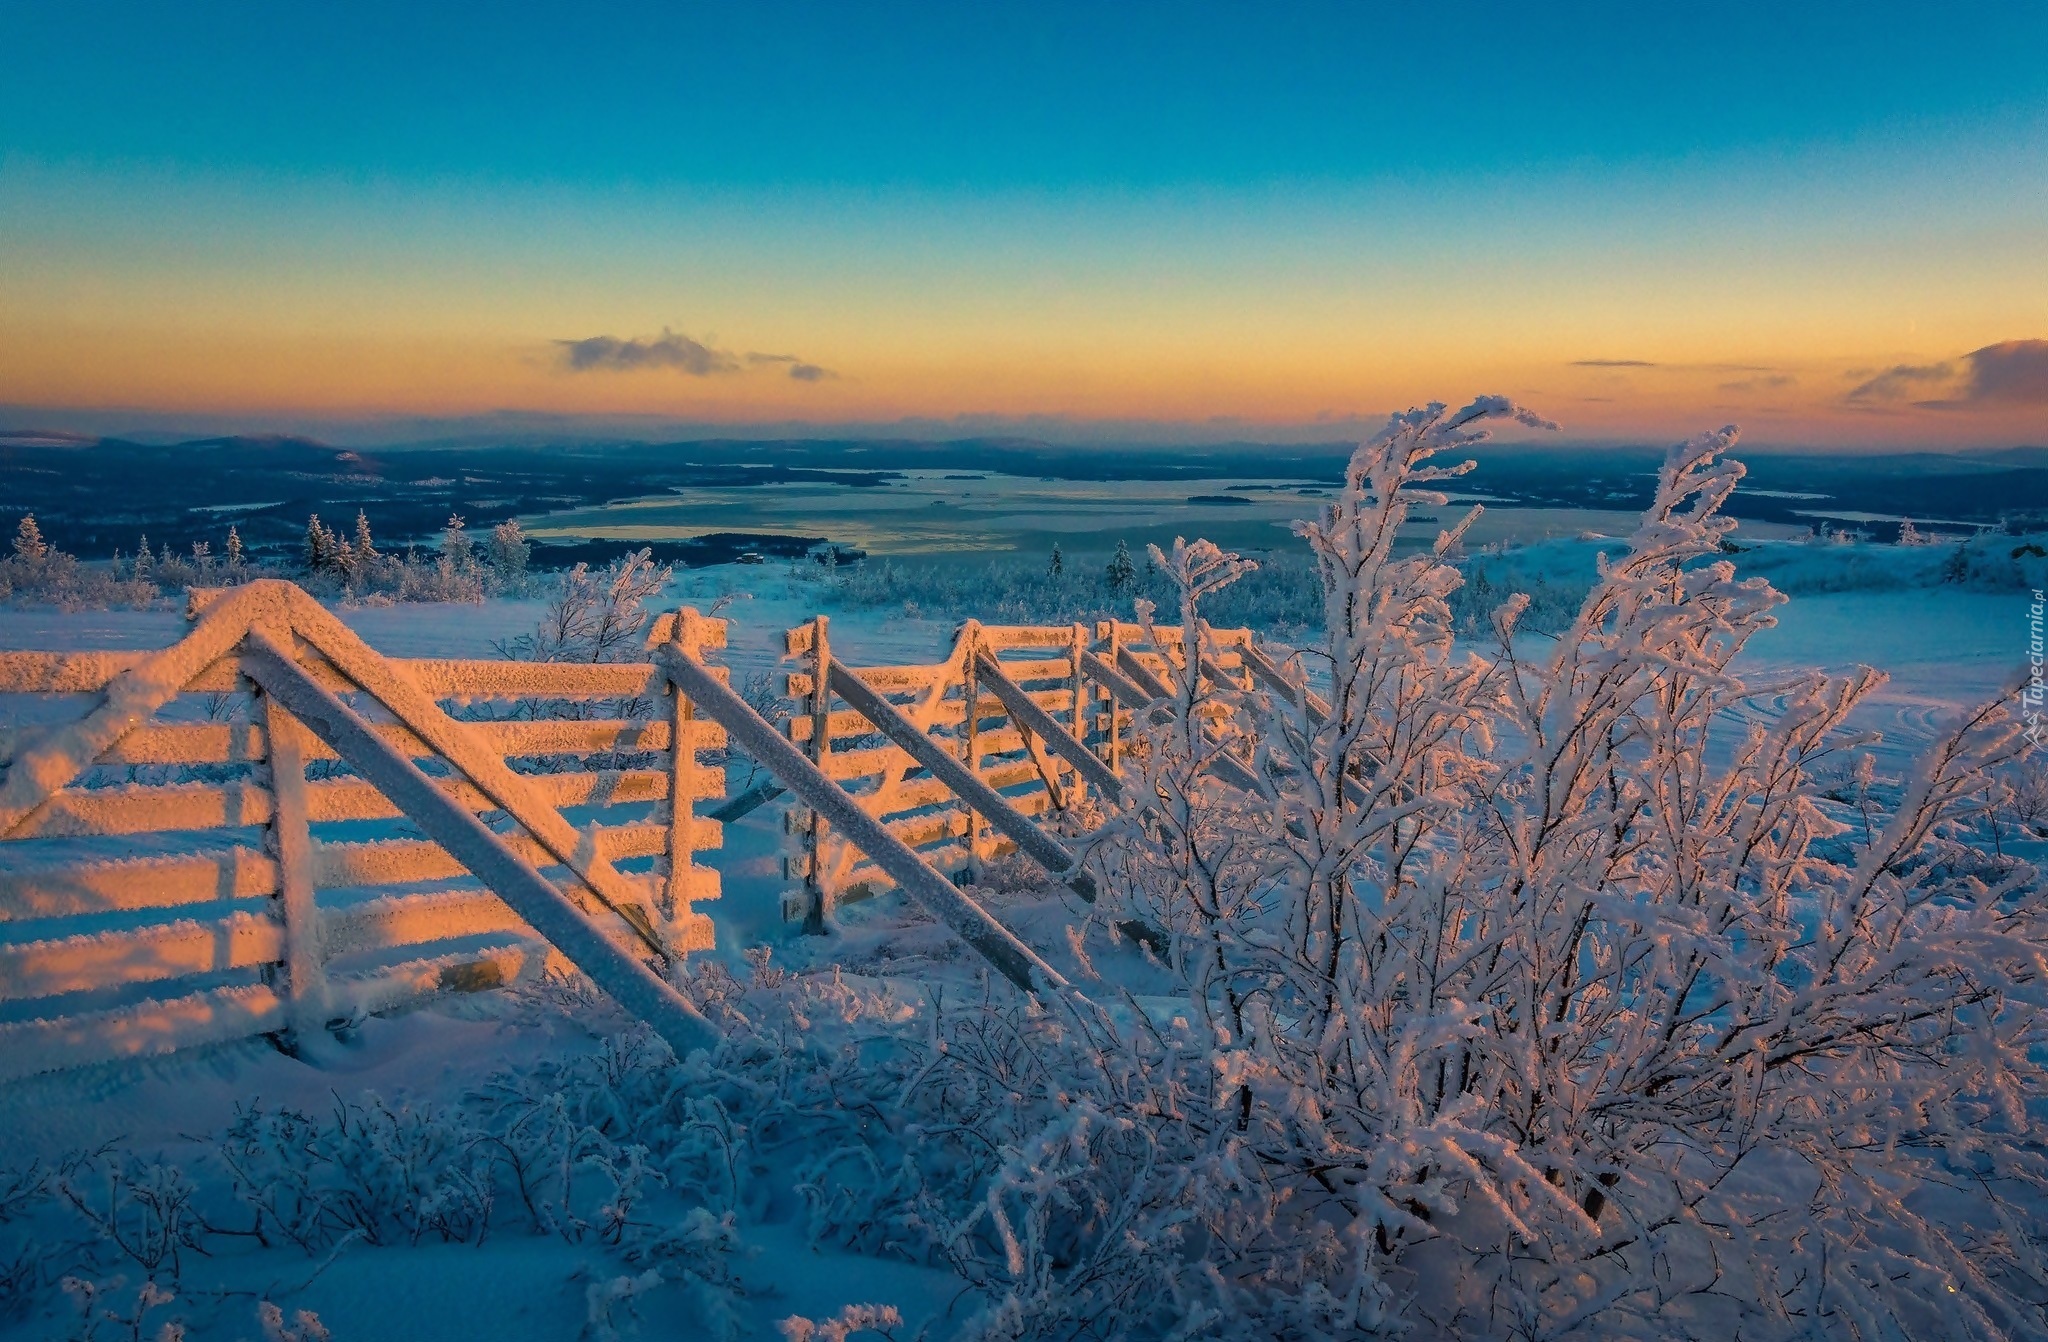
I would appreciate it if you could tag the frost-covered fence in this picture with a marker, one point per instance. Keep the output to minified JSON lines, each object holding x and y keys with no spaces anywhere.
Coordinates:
{"x":1031,"y":761}
{"x":186,"y":857}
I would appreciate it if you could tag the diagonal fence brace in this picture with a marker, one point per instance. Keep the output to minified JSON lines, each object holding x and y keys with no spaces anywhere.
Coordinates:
{"x":996,"y":943}
{"x":966,"y":784}
{"x":1046,"y":727}
{"x":635,"y":987}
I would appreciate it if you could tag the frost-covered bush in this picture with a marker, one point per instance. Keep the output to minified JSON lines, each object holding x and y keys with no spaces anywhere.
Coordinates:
{"x":146,"y":1209}
{"x":371,"y":1171}
{"x":1529,"y":998}
{"x":106,"y":1313}
{"x":595,"y":616}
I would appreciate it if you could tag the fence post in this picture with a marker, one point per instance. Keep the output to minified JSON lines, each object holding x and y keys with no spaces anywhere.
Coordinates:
{"x":970,"y":747}
{"x":290,"y":841}
{"x":1080,"y":645}
{"x":817,"y":895}
{"x":1111,"y":642}
{"x":687,"y":929}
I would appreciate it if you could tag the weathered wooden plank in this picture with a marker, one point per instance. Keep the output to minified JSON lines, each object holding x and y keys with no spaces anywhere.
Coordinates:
{"x":245,"y":743}
{"x":917,"y":831}
{"x":216,"y":1016}
{"x":844,"y":722}
{"x":849,"y":726}
{"x":358,"y":799}
{"x":893,"y":679}
{"x":138,"y":809}
{"x":1024,"y":635}
{"x":61,"y":885}
{"x":1128,"y":633}
{"x":241,"y":940}
{"x":710,"y":633}
{"x":413,"y":920}
{"x":917,"y":793}
{"x":684,"y":881}
{"x":1025,"y":671}
{"x":84,"y":812}
{"x":444,"y":678}
{"x":400,"y":861}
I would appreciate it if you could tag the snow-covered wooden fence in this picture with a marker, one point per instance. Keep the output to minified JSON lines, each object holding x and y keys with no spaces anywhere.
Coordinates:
{"x":1046,"y":727}
{"x":269,"y":827}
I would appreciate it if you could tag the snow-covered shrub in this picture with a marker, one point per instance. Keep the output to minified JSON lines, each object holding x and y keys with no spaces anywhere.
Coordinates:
{"x":850,"y":1322}
{"x":25,"y":1250}
{"x":370,"y":1171}
{"x":699,"y":1254}
{"x":305,"y":1325}
{"x":509,"y":554}
{"x":595,"y":617}
{"x":1547,"y":1006}
{"x":556,"y":1131}
{"x":2024,"y":803}
{"x":143,"y":1208}
{"x":103,"y":1315}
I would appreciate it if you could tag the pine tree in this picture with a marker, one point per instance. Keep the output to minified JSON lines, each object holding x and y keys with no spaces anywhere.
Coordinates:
{"x":1058,"y":565}
{"x":319,"y":545}
{"x":1908,"y":533}
{"x":144,"y":560}
{"x":366,"y":550}
{"x":234,"y":548}
{"x":1122,"y":572}
{"x":456,"y":550}
{"x":29,"y":544}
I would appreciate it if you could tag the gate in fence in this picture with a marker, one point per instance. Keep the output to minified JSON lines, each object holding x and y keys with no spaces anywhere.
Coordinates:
{"x":269,"y":828}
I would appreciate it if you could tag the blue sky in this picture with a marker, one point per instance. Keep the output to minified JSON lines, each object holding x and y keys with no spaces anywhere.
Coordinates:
{"x":955,"y":95}
{"x":1255,"y":216}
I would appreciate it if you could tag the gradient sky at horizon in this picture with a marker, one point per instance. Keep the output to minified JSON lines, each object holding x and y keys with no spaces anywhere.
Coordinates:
{"x":1829,"y":224}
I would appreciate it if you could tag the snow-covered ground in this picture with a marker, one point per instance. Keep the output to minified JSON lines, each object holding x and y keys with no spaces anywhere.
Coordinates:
{"x":1945,"y":648}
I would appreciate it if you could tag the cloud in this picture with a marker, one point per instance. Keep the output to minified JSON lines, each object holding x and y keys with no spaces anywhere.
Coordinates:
{"x":798,"y":369}
{"x":2012,"y":372}
{"x":1773,"y":382}
{"x":1899,"y":380}
{"x":1612,"y":363}
{"x":667,"y":350}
